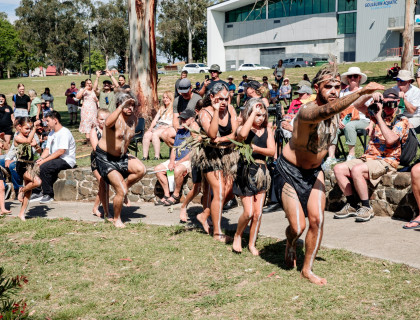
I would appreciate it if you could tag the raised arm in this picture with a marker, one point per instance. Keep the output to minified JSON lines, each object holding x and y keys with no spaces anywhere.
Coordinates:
{"x":112,"y":118}
{"x":244,"y":130}
{"x":114,"y":81}
{"x":312,"y":113}
{"x":95,"y":84}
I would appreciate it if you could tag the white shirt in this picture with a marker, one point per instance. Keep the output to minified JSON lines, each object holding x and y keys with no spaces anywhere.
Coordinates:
{"x":63,"y":139}
{"x":346,"y":92}
{"x":412,"y":96}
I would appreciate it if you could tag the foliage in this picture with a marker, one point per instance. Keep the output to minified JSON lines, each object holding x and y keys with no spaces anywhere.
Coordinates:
{"x":245,"y":150}
{"x":97,"y":62}
{"x":9,"y":307}
{"x":8,"y":45}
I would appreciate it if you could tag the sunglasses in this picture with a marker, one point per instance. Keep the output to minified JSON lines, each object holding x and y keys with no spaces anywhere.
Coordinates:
{"x":390,"y":104}
{"x":353,"y":76}
{"x":399,"y":80}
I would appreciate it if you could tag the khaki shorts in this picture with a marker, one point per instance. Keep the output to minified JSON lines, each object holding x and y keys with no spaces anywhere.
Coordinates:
{"x":376,"y":168}
{"x":186,"y":164}
{"x":72,"y":108}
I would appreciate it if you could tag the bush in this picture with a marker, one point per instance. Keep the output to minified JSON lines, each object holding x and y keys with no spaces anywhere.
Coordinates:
{"x":9,"y":307}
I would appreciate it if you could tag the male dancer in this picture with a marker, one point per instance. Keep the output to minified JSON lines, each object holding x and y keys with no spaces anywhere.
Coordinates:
{"x":299,"y":180}
{"x":112,"y":159}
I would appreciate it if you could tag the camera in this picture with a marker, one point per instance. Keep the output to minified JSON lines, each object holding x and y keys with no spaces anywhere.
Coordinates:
{"x":374,"y":108}
{"x":103,"y":72}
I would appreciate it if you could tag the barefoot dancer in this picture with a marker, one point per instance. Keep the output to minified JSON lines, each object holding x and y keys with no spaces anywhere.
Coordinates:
{"x":26,"y":143}
{"x":253,"y":179}
{"x":299,"y":180}
{"x":217,"y":160}
{"x":112,"y":159}
{"x":103,"y":189}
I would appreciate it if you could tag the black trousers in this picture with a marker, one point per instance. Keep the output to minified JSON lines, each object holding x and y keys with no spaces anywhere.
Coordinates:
{"x":49,"y":174}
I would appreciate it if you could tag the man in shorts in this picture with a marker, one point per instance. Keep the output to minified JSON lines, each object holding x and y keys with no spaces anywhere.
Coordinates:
{"x":71,"y":103}
{"x":115,"y":165}
{"x":382,"y":156}
{"x":298,"y":177}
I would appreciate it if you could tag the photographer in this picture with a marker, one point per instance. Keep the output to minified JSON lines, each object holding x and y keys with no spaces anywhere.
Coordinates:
{"x":107,"y":97}
{"x":382,"y":155}
{"x":208,"y":83}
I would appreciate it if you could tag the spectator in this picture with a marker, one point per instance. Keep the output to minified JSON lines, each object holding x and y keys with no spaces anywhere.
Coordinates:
{"x":89,"y":107}
{"x":186,"y":100}
{"x":253,"y":90}
{"x":35,"y":106}
{"x":305,"y":77}
{"x":231,"y":86}
{"x":279,"y":72}
{"x":21,"y":102}
{"x":118,"y":84}
{"x":382,"y":156}
{"x":350,"y":119}
{"x":59,"y":154}
{"x":48,"y":97}
{"x":274,"y":93}
{"x":241,"y":92}
{"x":184,"y":74}
{"x":410,"y":96}
{"x":209,"y":83}
{"x":197,"y":87}
{"x":265,"y":83}
{"x":393,"y":72}
{"x":179,"y":162}
{"x":6,"y":121}
{"x":285,"y":90}
{"x":72,"y":104}
{"x":107,"y":96}
{"x":162,"y":121}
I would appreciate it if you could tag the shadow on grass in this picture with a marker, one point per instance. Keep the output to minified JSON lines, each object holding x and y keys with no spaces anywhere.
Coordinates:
{"x":274,"y":254}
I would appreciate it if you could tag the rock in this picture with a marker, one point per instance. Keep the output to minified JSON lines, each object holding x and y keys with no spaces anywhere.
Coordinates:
{"x":146,"y":182}
{"x":69,"y":174}
{"x":387,"y":180}
{"x":133,"y":198}
{"x":137,"y":188}
{"x":84,"y":192}
{"x":394,"y":196}
{"x":87,"y":184}
{"x":65,"y":190}
{"x":78,"y":175}
{"x":381,"y":208}
{"x":90,"y":177}
{"x":402,"y":180}
{"x":197,"y":199}
{"x":62,"y":174}
{"x":381,"y":194}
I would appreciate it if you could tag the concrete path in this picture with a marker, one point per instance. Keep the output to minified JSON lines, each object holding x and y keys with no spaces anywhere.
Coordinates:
{"x":381,"y":238}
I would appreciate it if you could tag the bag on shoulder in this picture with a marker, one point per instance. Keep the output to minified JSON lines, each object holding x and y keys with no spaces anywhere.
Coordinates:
{"x":409,"y":148}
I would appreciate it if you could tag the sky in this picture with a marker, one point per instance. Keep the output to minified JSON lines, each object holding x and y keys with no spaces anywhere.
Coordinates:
{"x":9,"y":7}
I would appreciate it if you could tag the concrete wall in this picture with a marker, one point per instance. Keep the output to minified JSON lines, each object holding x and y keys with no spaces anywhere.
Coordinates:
{"x":373,"y":38}
{"x":215,"y":46}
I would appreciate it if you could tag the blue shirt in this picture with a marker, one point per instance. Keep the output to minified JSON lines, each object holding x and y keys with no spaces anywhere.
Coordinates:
{"x":232,"y":87}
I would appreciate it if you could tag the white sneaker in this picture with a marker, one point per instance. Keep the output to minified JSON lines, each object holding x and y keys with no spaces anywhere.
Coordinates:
{"x":350,"y":157}
{"x":328,"y":163}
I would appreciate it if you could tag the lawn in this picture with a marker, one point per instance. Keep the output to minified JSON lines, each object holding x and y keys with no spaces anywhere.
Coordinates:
{"x":82,"y":270}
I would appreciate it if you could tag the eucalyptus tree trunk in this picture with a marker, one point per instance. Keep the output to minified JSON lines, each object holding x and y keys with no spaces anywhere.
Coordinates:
{"x":143,"y":71}
{"x":408,"y":36}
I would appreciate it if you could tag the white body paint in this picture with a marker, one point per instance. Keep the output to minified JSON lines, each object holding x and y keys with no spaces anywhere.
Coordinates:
{"x":220,"y":204}
{"x":258,"y":221}
{"x":318,"y":238}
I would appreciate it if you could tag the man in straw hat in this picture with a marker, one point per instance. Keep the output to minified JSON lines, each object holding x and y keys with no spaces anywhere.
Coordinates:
{"x":410,"y":95}
{"x":298,"y":178}
{"x":350,"y":119}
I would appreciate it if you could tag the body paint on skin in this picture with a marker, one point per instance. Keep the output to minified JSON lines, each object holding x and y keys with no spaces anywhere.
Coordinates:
{"x":259,"y":220}
{"x":318,"y":238}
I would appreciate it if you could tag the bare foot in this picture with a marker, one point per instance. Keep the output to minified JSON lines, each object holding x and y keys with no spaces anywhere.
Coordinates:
{"x":203,"y":222}
{"x":290,"y":256}
{"x":222,"y":238}
{"x":22,"y":217}
{"x":183,"y":214}
{"x":21,"y":195}
{"x":110,"y":218}
{"x":313,"y":278}
{"x":237,"y":243}
{"x":253,"y":250}
{"x":4,"y":211}
{"x":127,"y":202}
{"x":118,"y":223}
{"x":96,"y":212}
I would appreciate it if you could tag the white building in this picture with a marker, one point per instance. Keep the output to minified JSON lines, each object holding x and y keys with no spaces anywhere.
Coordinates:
{"x":259,"y":31}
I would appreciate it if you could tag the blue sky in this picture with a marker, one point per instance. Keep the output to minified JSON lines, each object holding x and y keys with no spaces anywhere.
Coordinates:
{"x":9,"y":7}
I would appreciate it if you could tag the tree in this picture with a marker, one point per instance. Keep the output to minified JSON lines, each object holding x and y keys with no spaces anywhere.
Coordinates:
{"x":408,"y":36}
{"x":97,"y":62}
{"x":8,"y":44}
{"x":143,"y":71}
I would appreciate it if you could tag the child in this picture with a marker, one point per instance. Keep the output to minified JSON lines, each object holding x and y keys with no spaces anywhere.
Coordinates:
{"x":253,"y":178}
{"x":274,"y":93}
{"x":26,"y":145}
{"x":285,"y":90}
{"x":103,"y":192}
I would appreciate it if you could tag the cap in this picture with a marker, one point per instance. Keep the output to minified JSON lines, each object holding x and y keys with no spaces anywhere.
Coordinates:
{"x":304,"y":83}
{"x":107,"y":82}
{"x":391,"y":93}
{"x":305,"y":89}
{"x":244,"y":76}
{"x":73,"y":83}
{"x":186,"y":114}
{"x":184,"y":85}
{"x":215,"y":67}
{"x":252,"y":84}
{"x":404,"y":75}
{"x":197,"y":84}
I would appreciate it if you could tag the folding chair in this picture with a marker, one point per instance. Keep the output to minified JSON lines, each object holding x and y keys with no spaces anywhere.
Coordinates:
{"x":361,"y":134}
{"x":138,"y":136}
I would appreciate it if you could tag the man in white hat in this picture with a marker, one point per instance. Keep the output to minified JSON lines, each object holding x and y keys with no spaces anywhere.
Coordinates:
{"x":410,"y":95}
{"x":350,"y":119}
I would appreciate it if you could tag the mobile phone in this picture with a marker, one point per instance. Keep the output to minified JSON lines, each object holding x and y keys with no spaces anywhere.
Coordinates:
{"x":207,"y":77}
{"x":103,"y":72}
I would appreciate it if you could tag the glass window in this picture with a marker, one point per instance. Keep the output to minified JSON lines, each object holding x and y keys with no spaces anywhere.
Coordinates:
{"x":300,"y":8}
{"x":308,"y":6}
{"x":347,"y":23}
{"x":347,"y":5}
{"x":316,"y":7}
{"x":331,"y":6}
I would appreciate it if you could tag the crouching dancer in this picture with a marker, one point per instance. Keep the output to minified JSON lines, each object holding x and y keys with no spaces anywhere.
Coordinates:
{"x":112,"y":159}
{"x":299,"y":180}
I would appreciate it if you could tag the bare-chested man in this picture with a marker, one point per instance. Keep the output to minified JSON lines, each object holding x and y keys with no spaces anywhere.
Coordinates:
{"x":112,"y":159}
{"x":299,"y":180}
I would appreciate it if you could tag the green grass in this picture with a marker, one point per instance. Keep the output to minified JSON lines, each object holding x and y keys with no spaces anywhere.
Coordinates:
{"x":75,"y":270}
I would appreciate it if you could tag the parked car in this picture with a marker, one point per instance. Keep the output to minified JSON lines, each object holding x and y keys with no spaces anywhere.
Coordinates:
{"x":295,"y":63}
{"x":318,"y":61}
{"x":196,"y":68}
{"x":251,"y":66}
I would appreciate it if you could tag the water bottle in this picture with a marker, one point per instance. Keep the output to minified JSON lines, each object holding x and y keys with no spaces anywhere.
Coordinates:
{"x":401,"y":106}
{"x":346,"y":119}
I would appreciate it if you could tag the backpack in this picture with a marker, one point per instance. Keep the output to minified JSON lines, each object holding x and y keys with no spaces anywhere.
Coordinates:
{"x":409,"y":148}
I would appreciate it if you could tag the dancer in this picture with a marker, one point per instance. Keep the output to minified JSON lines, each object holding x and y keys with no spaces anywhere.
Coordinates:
{"x":103,"y":189}
{"x":253,"y":178}
{"x":26,"y":144}
{"x":218,"y":160}
{"x":112,"y":159}
{"x":299,"y":180}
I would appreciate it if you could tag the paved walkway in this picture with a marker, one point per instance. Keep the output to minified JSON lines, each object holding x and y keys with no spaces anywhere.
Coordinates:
{"x":381,"y":238}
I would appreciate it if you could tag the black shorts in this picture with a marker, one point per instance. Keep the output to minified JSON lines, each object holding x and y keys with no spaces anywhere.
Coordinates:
{"x":302,"y":180}
{"x":93,"y":165}
{"x":105,"y":163}
{"x":8,"y":131}
{"x":196,"y":175}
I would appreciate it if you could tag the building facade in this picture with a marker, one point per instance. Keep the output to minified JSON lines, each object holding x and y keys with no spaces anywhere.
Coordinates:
{"x":264,"y":31}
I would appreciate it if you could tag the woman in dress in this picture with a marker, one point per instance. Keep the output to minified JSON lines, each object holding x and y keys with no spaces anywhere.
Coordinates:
{"x":48,"y":97}
{"x":161,"y":122}
{"x":89,"y":111}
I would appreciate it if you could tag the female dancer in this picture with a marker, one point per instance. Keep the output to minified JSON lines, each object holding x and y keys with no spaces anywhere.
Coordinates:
{"x":103,"y":189}
{"x":253,"y":178}
{"x":26,"y":145}
{"x":161,"y":122}
{"x":218,"y":160}
{"x":90,"y":106}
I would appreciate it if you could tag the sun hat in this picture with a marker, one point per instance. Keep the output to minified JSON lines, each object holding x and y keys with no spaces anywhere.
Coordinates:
{"x":215,"y":67}
{"x":286,"y":79}
{"x":184,"y":85}
{"x":353,"y":70}
{"x":230,"y":77}
{"x":305,"y":89}
{"x":304,"y":83}
{"x":404,"y":75}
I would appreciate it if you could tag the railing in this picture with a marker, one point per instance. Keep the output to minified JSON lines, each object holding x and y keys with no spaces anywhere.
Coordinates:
{"x":397,"y":52}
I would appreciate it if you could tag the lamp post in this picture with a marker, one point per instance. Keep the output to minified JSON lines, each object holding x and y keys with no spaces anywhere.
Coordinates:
{"x":90,"y":70}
